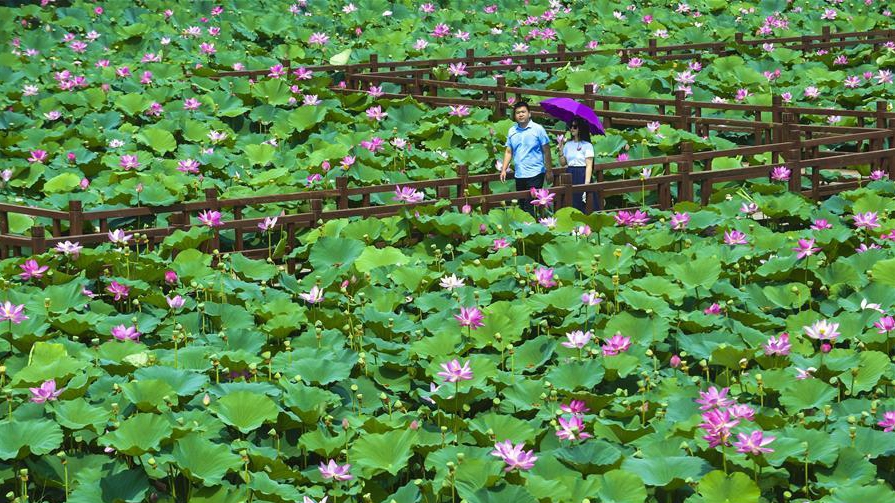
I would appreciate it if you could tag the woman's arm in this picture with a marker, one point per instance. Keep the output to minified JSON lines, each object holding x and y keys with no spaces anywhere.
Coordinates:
{"x":588,"y":169}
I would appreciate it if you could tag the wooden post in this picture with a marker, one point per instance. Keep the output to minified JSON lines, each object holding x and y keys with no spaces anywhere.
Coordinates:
{"x":4,"y":229}
{"x":238,"y":243}
{"x":463,"y":174}
{"x":738,"y":38}
{"x":777,"y":118}
{"x":652,"y":48}
{"x":565,"y":182}
{"x":684,"y":168}
{"x":316,"y":212}
{"x":793,"y":159}
{"x":211,"y":196}
{"x":561,"y":52}
{"x":805,"y":43}
{"x":443,"y":192}
{"x":500,"y":96}
{"x":38,"y":240}
{"x":75,"y":218}
{"x":342,"y":187}
{"x":825,"y":34}
{"x":374,"y":63}
{"x":682,"y":110}
{"x":589,"y":92}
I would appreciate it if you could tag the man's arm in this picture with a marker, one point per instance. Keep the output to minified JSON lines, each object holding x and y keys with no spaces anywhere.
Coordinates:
{"x":507,"y":157}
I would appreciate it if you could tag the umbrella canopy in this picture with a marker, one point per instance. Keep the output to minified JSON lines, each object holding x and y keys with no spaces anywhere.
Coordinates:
{"x":567,"y":109}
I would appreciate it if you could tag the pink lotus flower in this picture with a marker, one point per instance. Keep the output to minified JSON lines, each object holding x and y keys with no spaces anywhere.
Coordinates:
{"x":868,"y":220}
{"x":314,"y":296}
{"x":454,"y":372}
{"x":276,"y":71}
{"x":675,"y":361}
{"x":888,"y":422}
{"x":714,"y":398}
{"x":128,"y":161}
{"x":636,"y":218}
{"x":119,"y":237}
{"x":38,"y":156}
{"x":734,"y":238}
{"x":748,"y":208}
{"x":441,"y":30}
{"x":877,"y":174}
{"x":577,"y":339}
{"x":754,"y":443}
{"x":863,"y":248}
{"x":31,"y":269}
{"x":541,"y":197}
{"x":457,"y":69}
{"x":170,"y":277}
{"x":47,"y":392}
{"x":821,"y":224}
{"x":616,"y":344}
{"x":376,"y":113}
{"x":781,"y":174}
{"x":805,"y":248}
{"x":12,"y":313}
{"x":778,"y":345}
{"x":373,"y":145}
{"x":575,"y":407}
{"x":679,"y":221}
{"x":572,"y":429}
{"x":544,"y":277}
{"x":118,"y":290}
{"x":514,"y":456}
{"x":333,"y":471}
{"x":210,"y":218}
{"x":318,"y":38}
{"x":635,"y":63}
{"x":591,"y":298}
{"x":191,"y":104}
{"x":802,"y":374}
{"x":742,"y":411}
{"x":458,"y":110}
{"x":714,"y":309}
{"x":267,"y":224}
{"x":408,"y":195}
{"x":499,"y":244}
{"x":123,"y":333}
{"x":822,"y":330}
{"x":470,"y":317}
{"x":175,"y":302}
{"x":717,"y":425}
{"x":885,"y":324}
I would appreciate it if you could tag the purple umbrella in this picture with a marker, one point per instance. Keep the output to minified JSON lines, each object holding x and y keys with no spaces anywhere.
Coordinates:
{"x":566,"y":109}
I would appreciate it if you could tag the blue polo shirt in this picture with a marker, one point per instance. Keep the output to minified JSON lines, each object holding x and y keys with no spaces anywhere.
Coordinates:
{"x":527,"y":145}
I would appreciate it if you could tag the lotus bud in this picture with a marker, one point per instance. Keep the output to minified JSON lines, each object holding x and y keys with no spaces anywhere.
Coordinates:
{"x":206,"y":400}
{"x":495,"y":401}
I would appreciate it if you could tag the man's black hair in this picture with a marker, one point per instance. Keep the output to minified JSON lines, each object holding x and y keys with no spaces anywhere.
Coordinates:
{"x":520,"y":105}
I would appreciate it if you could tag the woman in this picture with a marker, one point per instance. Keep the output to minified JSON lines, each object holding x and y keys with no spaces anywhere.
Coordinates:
{"x":577,"y":155}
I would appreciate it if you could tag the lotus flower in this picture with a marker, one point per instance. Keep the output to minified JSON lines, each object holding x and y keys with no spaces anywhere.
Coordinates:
{"x":12,"y":312}
{"x":314,"y":296}
{"x":805,"y":248}
{"x":616,"y":344}
{"x":734,"y":238}
{"x":47,"y":392}
{"x":123,"y":333}
{"x":571,"y":429}
{"x":541,"y":197}
{"x":118,"y":290}
{"x":868,"y":220}
{"x":408,"y":195}
{"x":821,"y":224}
{"x":822,"y":330}
{"x":591,"y":298}
{"x":470,"y":317}
{"x":544,"y":277}
{"x":778,"y":345}
{"x":499,"y":244}
{"x":888,"y":422}
{"x":577,"y":339}
{"x":781,"y":174}
{"x":69,"y":249}
{"x":267,"y":224}
{"x":885,"y":324}
{"x":679,"y":221}
{"x":514,"y":456}
{"x":454,"y":372}
{"x":714,"y":398}
{"x":333,"y":471}
{"x":451,"y":282}
{"x":175,"y":302}
{"x":31,"y":269}
{"x":753,"y":443}
{"x":575,"y":407}
{"x":210,"y":218}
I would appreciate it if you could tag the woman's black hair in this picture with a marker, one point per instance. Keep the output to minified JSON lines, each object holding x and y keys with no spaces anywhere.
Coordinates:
{"x":583,"y":129}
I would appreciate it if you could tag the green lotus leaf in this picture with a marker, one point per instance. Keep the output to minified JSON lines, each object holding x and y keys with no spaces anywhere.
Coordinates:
{"x":734,"y":488}
{"x":372,"y":258}
{"x":884,"y":272}
{"x":308,"y":402}
{"x":256,"y":270}
{"x":806,"y":394}
{"x":696,"y":274}
{"x":260,"y":154}
{"x":138,"y":434}
{"x":339,"y":253}
{"x":389,"y":452}
{"x":852,"y":469}
{"x":246,"y":411}
{"x":63,"y":182}
{"x":320,"y":365}
{"x":510,"y":428}
{"x":661,"y":471}
{"x":500,"y":494}
{"x":581,"y":374}
{"x":619,"y":486}
{"x":183,"y":382}
{"x":37,"y":437}
{"x":78,"y":413}
{"x":148,"y":394}
{"x":204,"y":461}
{"x":305,"y":117}
{"x":48,"y":361}
{"x":159,"y":140}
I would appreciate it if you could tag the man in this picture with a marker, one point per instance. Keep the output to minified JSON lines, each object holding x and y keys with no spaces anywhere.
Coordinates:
{"x":528,"y":147}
